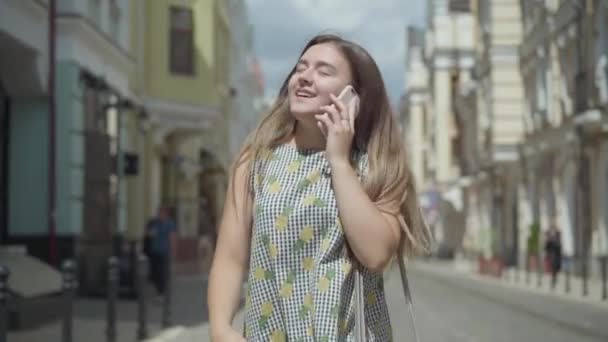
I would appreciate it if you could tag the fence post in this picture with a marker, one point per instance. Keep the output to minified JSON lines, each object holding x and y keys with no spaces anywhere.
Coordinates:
{"x":142,"y":262}
{"x":68,"y":269}
{"x":527,"y":269}
{"x":603,"y":261}
{"x":4,"y":274}
{"x":112,"y":294}
{"x":166,"y":320}
{"x":568,"y":269}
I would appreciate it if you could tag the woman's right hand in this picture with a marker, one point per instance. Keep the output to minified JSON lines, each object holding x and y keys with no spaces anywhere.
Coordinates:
{"x":228,"y":335}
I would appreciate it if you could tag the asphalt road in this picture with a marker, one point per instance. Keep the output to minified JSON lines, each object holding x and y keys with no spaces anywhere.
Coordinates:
{"x":451,"y":307}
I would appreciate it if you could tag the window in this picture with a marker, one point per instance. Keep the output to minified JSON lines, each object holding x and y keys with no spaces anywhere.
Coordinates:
{"x":181,"y":41}
{"x":95,"y":119}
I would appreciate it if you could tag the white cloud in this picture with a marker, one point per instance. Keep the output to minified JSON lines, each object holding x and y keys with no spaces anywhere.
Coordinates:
{"x":282,"y":28}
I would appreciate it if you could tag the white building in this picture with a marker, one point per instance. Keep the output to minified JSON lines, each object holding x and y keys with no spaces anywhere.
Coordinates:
{"x":447,"y":56}
{"x":564,"y":68}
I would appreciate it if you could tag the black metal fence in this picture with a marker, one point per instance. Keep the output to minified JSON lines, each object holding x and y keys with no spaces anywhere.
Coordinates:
{"x":534,"y":270}
{"x":69,"y":289}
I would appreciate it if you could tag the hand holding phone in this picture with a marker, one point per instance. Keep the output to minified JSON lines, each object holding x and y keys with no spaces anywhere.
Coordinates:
{"x":349,"y":97}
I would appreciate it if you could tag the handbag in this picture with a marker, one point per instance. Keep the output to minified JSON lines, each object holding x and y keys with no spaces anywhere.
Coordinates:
{"x":360,"y":330}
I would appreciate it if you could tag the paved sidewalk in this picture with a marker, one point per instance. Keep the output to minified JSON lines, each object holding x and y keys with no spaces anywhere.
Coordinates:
{"x":198,"y":333}
{"x":189,"y":308}
{"x":517,"y":279}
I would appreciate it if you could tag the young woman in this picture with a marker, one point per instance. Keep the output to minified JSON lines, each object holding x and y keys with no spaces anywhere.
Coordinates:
{"x":319,"y":189}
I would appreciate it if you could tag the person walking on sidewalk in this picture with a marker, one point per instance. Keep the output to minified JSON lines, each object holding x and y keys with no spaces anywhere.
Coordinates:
{"x":321,"y":187}
{"x":161,"y":237}
{"x":553,"y":253}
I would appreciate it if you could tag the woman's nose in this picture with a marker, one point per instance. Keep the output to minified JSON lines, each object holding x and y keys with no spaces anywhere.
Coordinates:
{"x":305,"y":76}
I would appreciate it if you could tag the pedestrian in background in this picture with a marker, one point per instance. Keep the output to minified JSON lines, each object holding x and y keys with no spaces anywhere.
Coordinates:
{"x":553,"y":253}
{"x":320,"y":188}
{"x":161,"y":247}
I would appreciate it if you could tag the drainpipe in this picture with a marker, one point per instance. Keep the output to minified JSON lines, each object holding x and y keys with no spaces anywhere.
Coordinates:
{"x":52,"y":217}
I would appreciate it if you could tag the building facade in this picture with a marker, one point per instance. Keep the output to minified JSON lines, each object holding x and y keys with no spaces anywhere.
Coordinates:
{"x":562,"y":62}
{"x":447,"y":53}
{"x":527,"y":133}
{"x":197,"y":87}
{"x":495,"y":106}
{"x":147,"y":94}
{"x":92,"y":67}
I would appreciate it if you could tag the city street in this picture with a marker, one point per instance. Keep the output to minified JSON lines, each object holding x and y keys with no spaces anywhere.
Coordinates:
{"x":456,"y":308}
{"x":451,"y":306}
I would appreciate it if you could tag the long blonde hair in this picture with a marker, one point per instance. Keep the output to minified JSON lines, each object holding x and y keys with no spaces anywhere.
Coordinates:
{"x":389,"y":182}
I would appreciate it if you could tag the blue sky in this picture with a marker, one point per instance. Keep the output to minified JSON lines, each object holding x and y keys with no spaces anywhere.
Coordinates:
{"x":282,"y":27}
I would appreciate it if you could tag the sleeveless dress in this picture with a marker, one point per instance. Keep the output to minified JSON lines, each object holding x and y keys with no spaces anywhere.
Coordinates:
{"x":300,"y":281}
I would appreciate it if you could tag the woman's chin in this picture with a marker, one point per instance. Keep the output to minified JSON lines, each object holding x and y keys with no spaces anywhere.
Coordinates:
{"x":301,"y":112}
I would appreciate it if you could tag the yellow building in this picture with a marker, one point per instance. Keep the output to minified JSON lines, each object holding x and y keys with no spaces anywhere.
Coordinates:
{"x":182,"y":54}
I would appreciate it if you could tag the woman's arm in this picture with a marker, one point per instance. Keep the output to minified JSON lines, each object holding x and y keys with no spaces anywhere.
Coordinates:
{"x":372,"y":234}
{"x":231,"y":257}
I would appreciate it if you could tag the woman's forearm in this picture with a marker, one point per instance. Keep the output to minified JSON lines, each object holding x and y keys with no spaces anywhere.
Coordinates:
{"x":224,"y":293}
{"x":370,"y":235}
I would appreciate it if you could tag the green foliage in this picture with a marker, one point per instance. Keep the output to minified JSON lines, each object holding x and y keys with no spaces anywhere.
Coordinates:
{"x":534,"y":239}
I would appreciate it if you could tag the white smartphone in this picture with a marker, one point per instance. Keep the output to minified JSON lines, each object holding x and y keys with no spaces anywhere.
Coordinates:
{"x":348,"y":95}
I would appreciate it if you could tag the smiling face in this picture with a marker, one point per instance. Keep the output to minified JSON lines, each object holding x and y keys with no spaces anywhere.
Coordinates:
{"x":322,"y":70}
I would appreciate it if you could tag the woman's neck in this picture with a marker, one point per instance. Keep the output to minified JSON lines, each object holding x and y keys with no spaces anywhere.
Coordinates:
{"x":308,"y":137}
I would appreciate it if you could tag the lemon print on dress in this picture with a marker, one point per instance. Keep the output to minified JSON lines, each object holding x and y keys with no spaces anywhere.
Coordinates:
{"x":248,"y":298}
{"x":339,"y":225}
{"x":342,"y":326}
{"x":266,"y":312}
{"x":325,"y":280}
{"x":278,"y":336}
{"x":294,"y":166}
{"x":308,"y":263}
{"x":286,"y":290}
{"x":274,"y":186}
{"x":306,"y":234}
{"x":313,"y":200}
{"x":267,"y":154}
{"x":346,"y":267}
{"x":335,"y":311}
{"x":306,"y":307}
{"x":270,"y":246}
{"x":312,"y":178}
{"x":325,"y":244}
{"x":370,"y":298}
{"x":261,"y":274}
{"x":282,"y":220}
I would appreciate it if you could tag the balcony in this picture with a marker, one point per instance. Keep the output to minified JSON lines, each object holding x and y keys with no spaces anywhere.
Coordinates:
{"x":565,"y":16}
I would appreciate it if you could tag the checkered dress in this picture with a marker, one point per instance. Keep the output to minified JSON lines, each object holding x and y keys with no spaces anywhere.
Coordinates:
{"x":300,"y":285}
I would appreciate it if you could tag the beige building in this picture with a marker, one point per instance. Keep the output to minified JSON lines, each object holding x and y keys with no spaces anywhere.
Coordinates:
{"x":196,"y":81}
{"x":490,"y":110}
{"x":563,"y":62}
{"x":438,"y":64}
